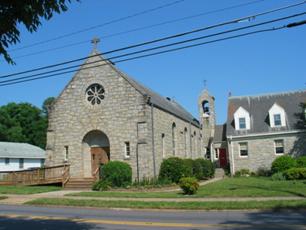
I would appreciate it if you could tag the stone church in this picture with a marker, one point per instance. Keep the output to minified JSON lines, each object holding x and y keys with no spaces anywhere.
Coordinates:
{"x":103,"y":114}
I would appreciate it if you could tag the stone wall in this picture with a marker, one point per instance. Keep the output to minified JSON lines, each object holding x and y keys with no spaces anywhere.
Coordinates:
{"x":123,"y":116}
{"x":73,"y":117}
{"x":261,"y":150}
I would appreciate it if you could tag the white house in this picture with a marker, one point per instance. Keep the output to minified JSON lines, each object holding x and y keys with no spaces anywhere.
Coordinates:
{"x":20,"y":156}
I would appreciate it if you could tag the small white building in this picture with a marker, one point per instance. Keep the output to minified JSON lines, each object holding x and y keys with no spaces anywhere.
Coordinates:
{"x":20,"y":156}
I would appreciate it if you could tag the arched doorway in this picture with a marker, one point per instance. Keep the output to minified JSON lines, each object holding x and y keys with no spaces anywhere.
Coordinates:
{"x":96,"y":145}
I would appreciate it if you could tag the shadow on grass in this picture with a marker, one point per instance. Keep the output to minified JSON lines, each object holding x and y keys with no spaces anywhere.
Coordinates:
{"x":278,"y":219}
{"x":38,"y":224}
{"x":275,"y":190}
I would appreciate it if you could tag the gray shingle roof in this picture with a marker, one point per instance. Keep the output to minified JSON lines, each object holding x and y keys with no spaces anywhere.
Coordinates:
{"x":20,"y":150}
{"x":159,"y":101}
{"x":258,"y":108}
{"x":220,"y":133}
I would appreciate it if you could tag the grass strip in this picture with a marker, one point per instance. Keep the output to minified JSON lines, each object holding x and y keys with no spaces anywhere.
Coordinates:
{"x":289,"y":204}
{"x":24,"y":190}
{"x":229,"y":187}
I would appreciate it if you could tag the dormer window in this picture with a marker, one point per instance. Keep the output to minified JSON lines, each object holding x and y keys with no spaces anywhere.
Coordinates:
{"x":277,"y":116}
{"x":242,"y":119}
{"x":242,"y":124}
{"x":277,"y":120}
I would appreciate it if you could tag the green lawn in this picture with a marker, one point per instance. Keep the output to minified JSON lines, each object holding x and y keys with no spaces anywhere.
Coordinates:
{"x":289,"y":204}
{"x":229,"y":187}
{"x":20,"y":190}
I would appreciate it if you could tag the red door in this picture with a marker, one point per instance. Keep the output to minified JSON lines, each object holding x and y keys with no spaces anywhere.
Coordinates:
{"x":222,"y":158}
{"x":98,"y":156}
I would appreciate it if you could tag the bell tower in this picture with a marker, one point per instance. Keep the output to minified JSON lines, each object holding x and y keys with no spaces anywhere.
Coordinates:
{"x":206,"y":105}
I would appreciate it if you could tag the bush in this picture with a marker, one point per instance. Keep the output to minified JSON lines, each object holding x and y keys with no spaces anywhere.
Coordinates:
{"x":197,"y":170}
{"x":295,"y":174}
{"x":243,"y":173}
{"x":264,"y":172}
{"x":188,"y":164}
{"x":173,"y":169}
{"x":278,"y":176}
{"x":189,"y":185}
{"x":151,"y":183}
{"x":101,"y":185}
{"x":301,"y":162}
{"x":283,"y":163}
{"x":117,"y":173}
{"x":208,"y":168}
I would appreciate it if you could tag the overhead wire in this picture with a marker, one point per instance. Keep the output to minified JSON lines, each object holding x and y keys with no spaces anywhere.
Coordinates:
{"x":101,"y":25}
{"x":147,"y":55}
{"x":161,"y":39}
{"x":140,"y":28}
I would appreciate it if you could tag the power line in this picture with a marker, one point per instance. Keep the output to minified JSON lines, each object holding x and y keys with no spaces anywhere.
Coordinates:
{"x":161,"y":39}
{"x":141,"y":28}
{"x":102,"y":25}
{"x":163,"y":46}
{"x":148,"y":55}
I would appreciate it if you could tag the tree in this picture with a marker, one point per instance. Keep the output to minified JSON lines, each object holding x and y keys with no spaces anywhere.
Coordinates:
{"x":47,"y":105}
{"x":28,"y":12}
{"x":23,"y":123}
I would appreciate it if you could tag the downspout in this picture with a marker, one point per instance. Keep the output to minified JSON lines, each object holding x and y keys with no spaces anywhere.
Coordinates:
{"x":232,"y":156}
{"x":190,"y":139}
{"x":153,"y":144}
{"x":137,"y":162}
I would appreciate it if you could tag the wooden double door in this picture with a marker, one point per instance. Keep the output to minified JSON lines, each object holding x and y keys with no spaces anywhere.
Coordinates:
{"x":99,"y":156}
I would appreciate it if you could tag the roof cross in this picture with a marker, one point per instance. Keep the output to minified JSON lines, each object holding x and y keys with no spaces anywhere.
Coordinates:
{"x":95,"y":42}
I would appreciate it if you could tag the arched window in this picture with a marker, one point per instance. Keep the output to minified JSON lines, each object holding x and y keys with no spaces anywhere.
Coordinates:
{"x":205,"y":107}
{"x":173,"y":137}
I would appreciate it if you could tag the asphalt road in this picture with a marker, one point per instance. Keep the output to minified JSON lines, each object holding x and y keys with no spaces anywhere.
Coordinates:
{"x":47,"y":218}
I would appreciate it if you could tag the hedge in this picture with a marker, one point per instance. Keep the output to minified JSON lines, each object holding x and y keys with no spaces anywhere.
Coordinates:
{"x":295,"y":174}
{"x":173,"y":169}
{"x":117,"y":173}
{"x":283,"y":163}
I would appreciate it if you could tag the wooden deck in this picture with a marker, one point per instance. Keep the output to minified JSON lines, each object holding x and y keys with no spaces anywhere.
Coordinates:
{"x":40,"y":176}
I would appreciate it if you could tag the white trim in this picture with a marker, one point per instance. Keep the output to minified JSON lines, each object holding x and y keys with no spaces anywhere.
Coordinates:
{"x":279,"y":154}
{"x":247,"y":147}
{"x":127,"y":143}
{"x":232,"y":157}
{"x":267,"y":134}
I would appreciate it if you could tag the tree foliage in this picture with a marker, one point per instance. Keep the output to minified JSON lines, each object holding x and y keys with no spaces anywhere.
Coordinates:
{"x":47,"y":105}
{"x":26,"y":12}
{"x":23,"y":123}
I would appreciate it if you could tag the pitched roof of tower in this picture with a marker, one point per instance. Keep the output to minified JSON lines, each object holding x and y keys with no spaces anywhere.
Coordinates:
{"x":157,"y":100}
{"x":258,"y":107}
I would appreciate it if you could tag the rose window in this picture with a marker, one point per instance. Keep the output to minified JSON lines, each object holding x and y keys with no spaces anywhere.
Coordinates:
{"x":95,"y":94}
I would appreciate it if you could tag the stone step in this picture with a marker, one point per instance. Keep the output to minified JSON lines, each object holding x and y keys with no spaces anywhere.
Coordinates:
{"x":219,"y":173}
{"x":79,"y":183}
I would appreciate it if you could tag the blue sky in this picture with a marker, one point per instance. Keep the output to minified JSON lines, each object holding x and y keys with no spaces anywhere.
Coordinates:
{"x":262,"y":63}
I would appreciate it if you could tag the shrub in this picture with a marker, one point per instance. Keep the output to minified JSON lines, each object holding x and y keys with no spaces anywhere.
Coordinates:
{"x":283,"y":163}
{"x":278,"y":176}
{"x":189,"y":185}
{"x":101,"y":185}
{"x":208,"y":168}
{"x":197,"y":170}
{"x":264,"y":172}
{"x":301,"y":162}
{"x":243,"y":173}
{"x":295,"y":174}
{"x":117,"y":173}
{"x":173,"y":169}
{"x":188,"y":164}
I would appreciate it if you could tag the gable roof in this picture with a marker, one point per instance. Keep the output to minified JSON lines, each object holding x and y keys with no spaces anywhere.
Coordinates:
{"x":259,"y":106}
{"x":156,"y":100}
{"x":220,"y":133}
{"x":20,"y":150}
